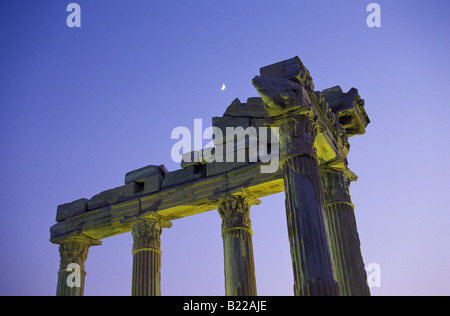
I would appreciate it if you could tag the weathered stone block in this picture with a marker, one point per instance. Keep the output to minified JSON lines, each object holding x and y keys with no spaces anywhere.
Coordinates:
{"x":253,"y":108}
{"x":338,"y":100}
{"x":227,"y":121}
{"x":181,"y":176}
{"x":235,"y":108}
{"x":139,"y":175}
{"x":207,"y":154}
{"x":202,"y":157}
{"x":153,"y":183}
{"x":107,"y":198}
{"x":230,"y":121}
{"x":349,"y":107}
{"x":232,"y":148}
{"x":72,"y":209}
{"x":260,"y":122}
{"x":274,"y":71}
{"x":282,"y":95}
{"x":190,"y":159}
{"x":215,"y":168}
{"x":292,"y":69}
{"x":289,"y":68}
{"x":131,"y":189}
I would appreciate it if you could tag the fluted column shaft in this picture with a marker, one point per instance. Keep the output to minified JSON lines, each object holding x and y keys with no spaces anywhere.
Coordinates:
{"x":344,"y":239}
{"x":309,"y":241}
{"x":71,"y":276}
{"x":239,"y":261}
{"x":146,"y":279}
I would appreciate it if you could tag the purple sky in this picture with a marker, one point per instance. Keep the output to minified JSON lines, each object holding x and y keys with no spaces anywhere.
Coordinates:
{"x":82,"y":107}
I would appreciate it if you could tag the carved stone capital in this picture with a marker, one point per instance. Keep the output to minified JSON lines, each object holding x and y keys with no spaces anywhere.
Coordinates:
{"x":336,"y":185}
{"x":297,"y":134}
{"x":235,"y":211}
{"x":147,"y":234}
{"x":75,"y":250}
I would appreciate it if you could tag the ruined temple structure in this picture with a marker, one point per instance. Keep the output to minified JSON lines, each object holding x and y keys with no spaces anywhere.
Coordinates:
{"x":313,"y":132}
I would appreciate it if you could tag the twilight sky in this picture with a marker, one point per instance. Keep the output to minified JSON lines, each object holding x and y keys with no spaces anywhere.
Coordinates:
{"x":80,"y":107}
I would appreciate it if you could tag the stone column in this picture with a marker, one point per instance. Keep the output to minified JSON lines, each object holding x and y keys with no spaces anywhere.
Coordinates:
{"x":344,"y":239}
{"x":71,"y":276}
{"x":237,"y":234}
{"x":289,"y":105}
{"x":146,"y":280}
{"x":307,"y":228}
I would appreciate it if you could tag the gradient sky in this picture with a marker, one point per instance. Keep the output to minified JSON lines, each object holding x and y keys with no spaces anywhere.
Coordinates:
{"x":82,"y":107}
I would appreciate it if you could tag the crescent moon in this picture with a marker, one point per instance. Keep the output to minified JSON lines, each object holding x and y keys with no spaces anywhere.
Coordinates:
{"x":223,"y":87}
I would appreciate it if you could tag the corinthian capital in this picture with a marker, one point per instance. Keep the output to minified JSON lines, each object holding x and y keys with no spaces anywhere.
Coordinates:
{"x":147,"y":233}
{"x":75,"y":250}
{"x":235,"y":211}
{"x":336,"y":184}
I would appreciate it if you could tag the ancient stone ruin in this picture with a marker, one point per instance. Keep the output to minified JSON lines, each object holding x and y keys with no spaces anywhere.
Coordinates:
{"x":313,"y":130}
